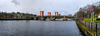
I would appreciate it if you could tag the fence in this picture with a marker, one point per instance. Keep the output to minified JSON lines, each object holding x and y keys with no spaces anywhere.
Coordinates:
{"x":92,"y":27}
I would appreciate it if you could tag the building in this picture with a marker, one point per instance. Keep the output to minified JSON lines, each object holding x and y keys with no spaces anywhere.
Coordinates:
{"x":97,"y":15}
{"x":41,"y":13}
{"x":49,"y":13}
{"x":56,"y":13}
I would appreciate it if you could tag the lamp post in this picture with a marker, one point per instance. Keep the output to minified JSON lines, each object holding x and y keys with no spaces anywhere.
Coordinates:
{"x":92,"y":16}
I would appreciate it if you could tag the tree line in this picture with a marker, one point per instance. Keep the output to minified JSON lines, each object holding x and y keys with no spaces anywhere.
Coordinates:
{"x":85,"y":11}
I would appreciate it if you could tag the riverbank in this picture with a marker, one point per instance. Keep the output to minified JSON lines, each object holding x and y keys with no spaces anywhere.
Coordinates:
{"x":85,"y":31}
{"x":89,"y":20}
{"x":88,"y":28}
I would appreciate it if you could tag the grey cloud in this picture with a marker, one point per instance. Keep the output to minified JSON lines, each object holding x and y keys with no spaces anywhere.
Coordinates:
{"x":35,"y":6}
{"x":15,"y":2}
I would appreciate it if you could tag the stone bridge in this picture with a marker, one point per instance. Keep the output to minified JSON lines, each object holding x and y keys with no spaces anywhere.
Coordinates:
{"x":52,"y":17}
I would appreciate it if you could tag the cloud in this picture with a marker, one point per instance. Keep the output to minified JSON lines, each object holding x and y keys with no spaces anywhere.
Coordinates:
{"x":15,"y":2}
{"x":64,"y":7}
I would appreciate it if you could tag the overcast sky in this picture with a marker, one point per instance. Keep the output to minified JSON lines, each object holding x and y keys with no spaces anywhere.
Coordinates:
{"x":64,"y":7}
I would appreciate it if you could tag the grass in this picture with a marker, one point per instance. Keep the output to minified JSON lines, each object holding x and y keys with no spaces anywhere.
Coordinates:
{"x":89,"y":20}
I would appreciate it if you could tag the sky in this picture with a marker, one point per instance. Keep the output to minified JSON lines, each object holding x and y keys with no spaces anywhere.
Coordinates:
{"x":63,"y":7}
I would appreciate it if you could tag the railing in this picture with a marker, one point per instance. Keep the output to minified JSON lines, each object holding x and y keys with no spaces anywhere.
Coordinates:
{"x":94,"y":28}
{"x":84,"y":29}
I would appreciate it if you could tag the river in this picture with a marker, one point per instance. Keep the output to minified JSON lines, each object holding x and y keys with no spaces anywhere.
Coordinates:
{"x":38,"y":28}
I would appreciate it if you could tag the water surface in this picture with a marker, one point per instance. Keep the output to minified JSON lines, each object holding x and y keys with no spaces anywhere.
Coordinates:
{"x":38,"y":28}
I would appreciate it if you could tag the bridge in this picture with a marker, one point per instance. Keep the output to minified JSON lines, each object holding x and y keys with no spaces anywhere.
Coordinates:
{"x":52,"y":17}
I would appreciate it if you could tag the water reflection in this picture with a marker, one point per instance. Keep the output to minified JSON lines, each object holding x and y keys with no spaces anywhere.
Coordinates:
{"x":38,"y":28}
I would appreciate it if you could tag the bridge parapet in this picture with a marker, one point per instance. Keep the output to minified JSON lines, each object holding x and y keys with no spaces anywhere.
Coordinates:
{"x":53,"y":17}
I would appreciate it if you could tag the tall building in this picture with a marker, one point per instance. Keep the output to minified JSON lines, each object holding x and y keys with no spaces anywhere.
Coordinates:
{"x":49,"y":13}
{"x":41,"y":13}
{"x":56,"y":13}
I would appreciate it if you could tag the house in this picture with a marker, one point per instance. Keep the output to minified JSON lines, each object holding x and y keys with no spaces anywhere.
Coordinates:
{"x":97,"y":15}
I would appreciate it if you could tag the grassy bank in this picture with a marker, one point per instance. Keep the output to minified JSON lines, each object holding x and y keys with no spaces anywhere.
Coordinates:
{"x":89,"y":20}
